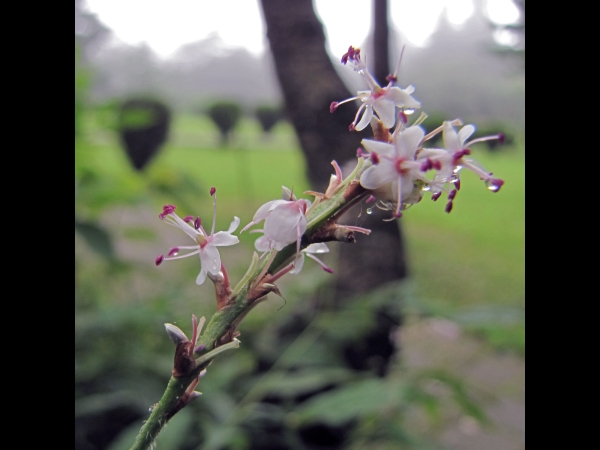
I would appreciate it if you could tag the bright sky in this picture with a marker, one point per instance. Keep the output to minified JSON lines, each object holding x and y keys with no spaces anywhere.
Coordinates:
{"x":166,"y":25}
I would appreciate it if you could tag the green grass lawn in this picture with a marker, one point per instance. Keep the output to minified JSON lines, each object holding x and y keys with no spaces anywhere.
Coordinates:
{"x":468,"y":259}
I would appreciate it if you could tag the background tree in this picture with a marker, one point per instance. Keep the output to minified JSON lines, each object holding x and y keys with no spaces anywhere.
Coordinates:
{"x":225,"y":115}
{"x":309,"y":84}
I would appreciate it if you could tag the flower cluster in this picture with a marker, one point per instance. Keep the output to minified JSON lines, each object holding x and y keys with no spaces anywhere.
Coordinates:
{"x":399,"y":161}
{"x":396,"y":167}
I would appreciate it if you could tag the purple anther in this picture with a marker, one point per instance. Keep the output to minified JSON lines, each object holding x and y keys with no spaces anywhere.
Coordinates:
{"x":397,"y":215}
{"x":333,"y":107}
{"x":188,"y":219}
{"x":501,"y":138}
{"x":448,"y":207}
{"x":213,"y":190}
{"x":403,"y":117}
{"x":437,"y":165}
{"x":435,"y":196}
{"x":452,"y":194}
{"x":327,"y":269}
{"x":457,"y":184}
{"x":159,"y":259}
{"x":495,"y":184}
{"x":371,"y":199}
{"x":353,"y":54}
{"x":351,"y":127}
{"x":391,"y":78}
{"x":197,"y":223}
{"x":167,"y":209}
{"x":374,"y":158}
{"x":173,"y":251}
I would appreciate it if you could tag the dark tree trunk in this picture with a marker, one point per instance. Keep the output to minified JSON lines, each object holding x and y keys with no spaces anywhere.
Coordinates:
{"x":309,"y":84}
{"x":381,"y":41}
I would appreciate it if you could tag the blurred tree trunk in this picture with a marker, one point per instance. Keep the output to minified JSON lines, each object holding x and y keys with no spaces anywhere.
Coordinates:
{"x":310,"y":83}
{"x":381,"y":41}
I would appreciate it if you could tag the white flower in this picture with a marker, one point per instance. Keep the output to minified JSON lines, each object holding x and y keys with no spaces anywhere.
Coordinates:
{"x":451,"y":159}
{"x":310,"y":251}
{"x":394,"y":171}
{"x":381,"y":100}
{"x":285,"y":221}
{"x":210,"y":259}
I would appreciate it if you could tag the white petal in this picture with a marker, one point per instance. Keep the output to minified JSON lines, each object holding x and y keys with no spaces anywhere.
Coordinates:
{"x":201,"y":276}
{"x":262,"y":244}
{"x":464,"y":133}
{"x":408,"y":141}
{"x":381,"y":148}
{"x":281,"y":225}
{"x":402,"y":98}
{"x":386,"y":110}
{"x":407,"y":184}
{"x":316,"y":248}
{"x":299,"y":264}
{"x":365,"y":119}
{"x":210,"y":259}
{"x":434,"y":153}
{"x":451,"y":141}
{"x":234,"y":224}
{"x":379,"y":175}
{"x":223,"y":238}
{"x":264,"y":210}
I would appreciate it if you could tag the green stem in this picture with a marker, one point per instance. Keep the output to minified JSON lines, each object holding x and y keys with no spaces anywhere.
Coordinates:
{"x":160,"y":414}
{"x":227,"y":318}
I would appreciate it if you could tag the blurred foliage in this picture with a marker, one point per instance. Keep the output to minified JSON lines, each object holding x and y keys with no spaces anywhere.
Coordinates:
{"x":305,"y":376}
{"x":268,"y":116}
{"x":143,"y":125}
{"x":225,"y":115}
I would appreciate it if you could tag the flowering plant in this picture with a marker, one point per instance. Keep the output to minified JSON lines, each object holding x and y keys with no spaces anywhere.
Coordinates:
{"x":395,"y":167}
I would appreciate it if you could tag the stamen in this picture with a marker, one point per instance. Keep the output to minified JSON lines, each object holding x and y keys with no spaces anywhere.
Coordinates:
{"x":188,"y":219}
{"x":501,"y":138}
{"x":435,"y":196}
{"x":174,"y":251}
{"x":321,"y":263}
{"x":159,"y":259}
{"x":374,"y":158}
{"x":494,"y":184}
{"x":197,"y":223}
{"x":167,"y":209}
{"x":213,"y":190}
{"x":371,"y":199}
{"x":360,"y":153}
{"x":351,"y":127}
{"x":452,"y":194}
{"x":333,"y":106}
{"x":457,"y":184}
{"x":448,"y":207}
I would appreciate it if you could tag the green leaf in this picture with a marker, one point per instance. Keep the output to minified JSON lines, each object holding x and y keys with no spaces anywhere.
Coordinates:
{"x":354,"y":400}
{"x":96,"y":237}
